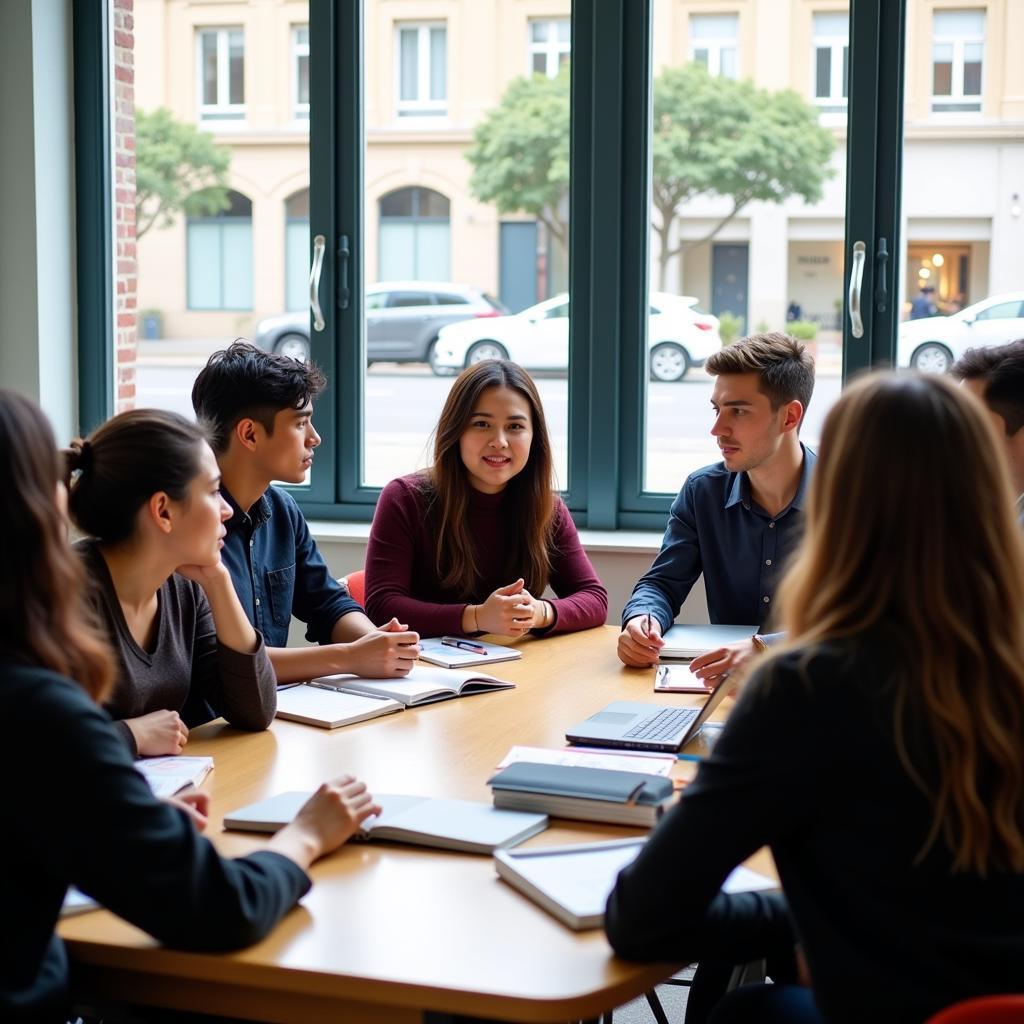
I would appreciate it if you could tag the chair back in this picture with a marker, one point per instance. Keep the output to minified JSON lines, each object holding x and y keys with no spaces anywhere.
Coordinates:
{"x":983,"y":1010}
{"x":356,"y":583}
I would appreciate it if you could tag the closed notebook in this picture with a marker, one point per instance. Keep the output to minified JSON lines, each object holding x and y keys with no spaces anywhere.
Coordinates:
{"x":438,"y":653}
{"x":686,"y":642}
{"x":330,"y":709}
{"x":421,"y":821}
{"x":573,"y":882}
{"x":589,"y":794}
{"x":420,"y":686}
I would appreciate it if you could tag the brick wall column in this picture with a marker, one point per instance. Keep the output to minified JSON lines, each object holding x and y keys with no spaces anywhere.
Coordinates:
{"x":126,"y":312}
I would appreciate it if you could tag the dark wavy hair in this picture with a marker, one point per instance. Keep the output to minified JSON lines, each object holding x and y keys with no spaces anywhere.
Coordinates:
{"x":44,"y":621}
{"x":115,"y":471}
{"x":244,"y":382}
{"x":530,"y":493}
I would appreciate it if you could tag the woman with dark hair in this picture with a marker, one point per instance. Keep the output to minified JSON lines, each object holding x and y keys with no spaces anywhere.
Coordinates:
{"x":75,"y":809}
{"x":470,"y":545}
{"x":144,"y":487}
{"x":878,"y":753}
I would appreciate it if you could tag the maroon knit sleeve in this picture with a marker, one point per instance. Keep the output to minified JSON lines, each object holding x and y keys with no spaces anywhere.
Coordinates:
{"x":397,"y":536}
{"x":581,"y":601}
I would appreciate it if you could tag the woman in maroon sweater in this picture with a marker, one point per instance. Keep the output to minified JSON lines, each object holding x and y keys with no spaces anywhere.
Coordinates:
{"x":471,"y":544}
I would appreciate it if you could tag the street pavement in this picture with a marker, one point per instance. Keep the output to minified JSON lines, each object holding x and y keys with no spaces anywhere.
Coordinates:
{"x":403,"y":403}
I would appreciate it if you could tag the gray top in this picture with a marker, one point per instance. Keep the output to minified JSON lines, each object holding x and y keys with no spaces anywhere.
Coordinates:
{"x":187,"y":670}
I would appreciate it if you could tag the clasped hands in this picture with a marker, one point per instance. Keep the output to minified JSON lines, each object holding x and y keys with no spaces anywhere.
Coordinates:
{"x":509,"y":611}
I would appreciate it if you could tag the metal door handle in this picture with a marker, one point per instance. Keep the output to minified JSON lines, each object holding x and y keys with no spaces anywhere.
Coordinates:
{"x":319,"y":248}
{"x":881,"y":288}
{"x":853,"y":298}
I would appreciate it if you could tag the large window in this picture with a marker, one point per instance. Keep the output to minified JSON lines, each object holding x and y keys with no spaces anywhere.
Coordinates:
{"x":714,"y":43}
{"x":831,"y":52}
{"x":220,"y":258}
{"x":221,"y":63}
{"x":549,"y":46}
{"x":958,"y":50}
{"x":422,"y":66}
{"x":440,"y":247}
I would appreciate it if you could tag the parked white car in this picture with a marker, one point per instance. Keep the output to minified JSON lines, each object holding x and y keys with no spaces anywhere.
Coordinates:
{"x":679,"y":336}
{"x":934,"y":343}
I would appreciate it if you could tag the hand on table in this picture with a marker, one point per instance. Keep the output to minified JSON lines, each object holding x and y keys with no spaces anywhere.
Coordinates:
{"x":195,"y":803}
{"x":159,"y":733}
{"x":389,"y":651}
{"x":640,"y":642}
{"x":509,"y":611}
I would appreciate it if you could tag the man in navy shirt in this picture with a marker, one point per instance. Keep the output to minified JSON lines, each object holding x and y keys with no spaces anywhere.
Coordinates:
{"x":738,"y":520}
{"x":258,"y":410}
{"x":996,"y":376}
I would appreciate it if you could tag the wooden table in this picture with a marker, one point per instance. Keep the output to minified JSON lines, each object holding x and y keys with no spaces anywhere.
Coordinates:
{"x":388,"y":931}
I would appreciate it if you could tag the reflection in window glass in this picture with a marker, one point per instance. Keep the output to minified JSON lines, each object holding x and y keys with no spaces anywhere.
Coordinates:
{"x":467,"y":230}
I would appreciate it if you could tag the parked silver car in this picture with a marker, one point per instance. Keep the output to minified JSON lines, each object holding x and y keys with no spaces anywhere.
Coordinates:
{"x":402,"y":320}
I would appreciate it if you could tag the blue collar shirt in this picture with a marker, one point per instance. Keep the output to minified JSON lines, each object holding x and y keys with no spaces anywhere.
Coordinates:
{"x":278,"y":570}
{"x":716,"y":528}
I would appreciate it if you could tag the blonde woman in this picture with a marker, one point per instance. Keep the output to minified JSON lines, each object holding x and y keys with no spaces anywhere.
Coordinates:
{"x":879,"y":755}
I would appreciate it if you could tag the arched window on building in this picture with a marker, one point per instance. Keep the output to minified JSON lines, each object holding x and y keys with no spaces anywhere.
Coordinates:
{"x":414,"y":239}
{"x":296,"y":250}
{"x":219,"y":257}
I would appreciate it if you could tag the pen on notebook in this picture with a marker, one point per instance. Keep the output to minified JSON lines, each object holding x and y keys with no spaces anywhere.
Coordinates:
{"x":463,"y":645}
{"x":647,"y":624}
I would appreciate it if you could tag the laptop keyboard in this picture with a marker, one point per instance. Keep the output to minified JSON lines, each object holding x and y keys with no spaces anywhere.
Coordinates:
{"x":664,"y":725}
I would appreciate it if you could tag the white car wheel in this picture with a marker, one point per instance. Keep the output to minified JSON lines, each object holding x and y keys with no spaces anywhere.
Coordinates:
{"x":669,"y":362}
{"x":485,"y":350}
{"x":294,"y":346}
{"x":932,"y":358}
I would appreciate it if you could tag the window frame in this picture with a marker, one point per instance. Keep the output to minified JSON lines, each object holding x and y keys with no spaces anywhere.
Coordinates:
{"x":715,"y":44}
{"x":835,"y":104}
{"x":428,"y":109}
{"x":300,"y":110}
{"x":609,"y":217}
{"x":223,"y":113}
{"x":957,"y":97}
{"x":552,"y":49}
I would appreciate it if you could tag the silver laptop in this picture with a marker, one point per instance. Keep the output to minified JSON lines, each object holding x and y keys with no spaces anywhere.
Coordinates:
{"x":639,"y":726}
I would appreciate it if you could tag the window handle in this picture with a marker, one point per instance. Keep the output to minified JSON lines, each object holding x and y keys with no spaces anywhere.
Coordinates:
{"x":853,"y":298}
{"x":881,"y":289}
{"x":343,"y":255}
{"x":319,"y":248}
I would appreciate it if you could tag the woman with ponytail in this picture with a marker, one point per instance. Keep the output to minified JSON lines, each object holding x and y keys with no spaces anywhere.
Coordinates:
{"x":144,"y":489}
{"x":878,"y":754}
{"x":76,"y":812}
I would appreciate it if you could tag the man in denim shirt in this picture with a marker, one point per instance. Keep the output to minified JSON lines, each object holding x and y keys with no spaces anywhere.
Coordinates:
{"x":258,"y":409}
{"x":736,"y":521}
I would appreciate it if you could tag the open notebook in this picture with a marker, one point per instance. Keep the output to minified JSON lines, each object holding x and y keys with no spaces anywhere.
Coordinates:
{"x":419,"y":820}
{"x":420,"y":686}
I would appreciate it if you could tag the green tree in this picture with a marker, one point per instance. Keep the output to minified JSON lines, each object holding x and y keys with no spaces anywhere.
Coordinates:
{"x":178,"y":168}
{"x":520,"y":153}
{"x":717,"y":137}
{"x":711,"y":136}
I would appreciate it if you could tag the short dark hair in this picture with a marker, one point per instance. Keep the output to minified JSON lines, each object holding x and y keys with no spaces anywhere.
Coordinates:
{"x":783,"y":363}
{"x":120,"y":465}
{"x":244,"y":382}
{"x":1001,"y":367}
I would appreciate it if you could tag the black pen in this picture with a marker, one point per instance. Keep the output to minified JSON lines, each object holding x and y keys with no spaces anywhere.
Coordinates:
{"x":463,"y":645}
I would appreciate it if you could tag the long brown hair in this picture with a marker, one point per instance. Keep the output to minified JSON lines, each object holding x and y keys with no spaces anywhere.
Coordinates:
{"x":530,"y":494}
{"x":910,"y":530}
{"x":43,"y":620}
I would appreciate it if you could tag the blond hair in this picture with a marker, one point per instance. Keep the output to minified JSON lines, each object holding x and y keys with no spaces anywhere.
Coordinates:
{"x":910,"y":528}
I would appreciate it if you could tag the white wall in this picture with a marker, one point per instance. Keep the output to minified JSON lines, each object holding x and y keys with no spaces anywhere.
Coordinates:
{"x":37,"y":243}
